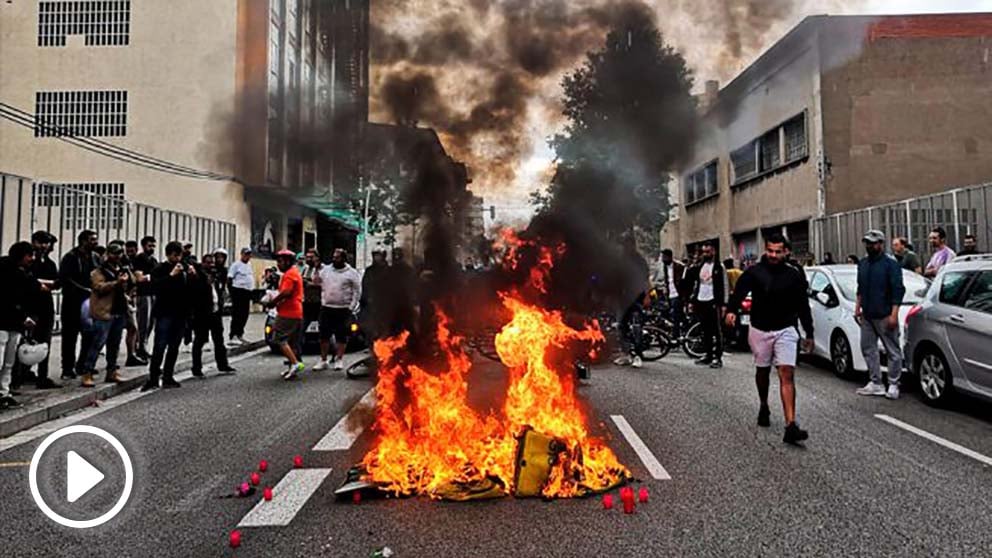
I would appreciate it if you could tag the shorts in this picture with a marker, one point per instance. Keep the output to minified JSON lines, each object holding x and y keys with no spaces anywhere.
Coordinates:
{"x":774,"y":348}
{"x":286,"y":331}
{"x":335,"y":322}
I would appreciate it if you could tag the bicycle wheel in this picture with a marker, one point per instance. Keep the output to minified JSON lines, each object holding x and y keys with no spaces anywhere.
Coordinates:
{"x":693,"y":345}
{"x":654,"y":344}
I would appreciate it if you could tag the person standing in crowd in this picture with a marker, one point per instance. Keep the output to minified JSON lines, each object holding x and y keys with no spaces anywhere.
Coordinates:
{"x":144,"y":264}
{"x":341,"y":291}
{"x":241,"y":278}
{"x":206,"y":289}
{"x":44,"y":270}
{"x":969,"y":246}
{"x":669,"y":275}
{"x":904,"y":254}
{"x":709,"y":290}
{"x":74,"y":275}
{"x":289,"y":312}
{"x":132,"y":332}
{"x":311,"y":293}
{"x":733,"y":274}
{"x":853,"y":259}
{"x":18,"y":313}
{"x":635,"y":289}
{"x":188,"y":257}
{"x":375,"y":287}
{"x":828,"y":259}
{"x":880,"y":294}
{"x":171,"y":283}
{"x":108,"y":308}
{"x":942,"y":253}
{"x":402,"y":295}
{"x":779,"y":299}
{"x":220,"y":275}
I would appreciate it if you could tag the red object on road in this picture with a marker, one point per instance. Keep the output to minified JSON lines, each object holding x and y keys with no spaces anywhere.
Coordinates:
{"x":263,"y":465}
{"x":607,"y":501}
{"x":642,"y":495}
{"x":298,"y":461}
{"x":356,"y":497}
{"x":267,"y":494}
{"x":628,"y":505}
{"x":235,"y":539}
{"x":255,"y":479}
{"x":244,"y":489}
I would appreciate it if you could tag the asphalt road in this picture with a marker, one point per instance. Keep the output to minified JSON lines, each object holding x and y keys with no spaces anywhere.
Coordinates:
{"x":861,"y":486}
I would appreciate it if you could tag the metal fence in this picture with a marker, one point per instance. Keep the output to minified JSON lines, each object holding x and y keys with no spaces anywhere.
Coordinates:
{"x":961,"y":211}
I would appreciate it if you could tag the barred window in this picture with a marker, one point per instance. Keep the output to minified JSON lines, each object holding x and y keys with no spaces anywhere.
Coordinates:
{"x":795,"y":139}
{"x":93,"y":205}
{"x":745,"y":162}
{"x":101,"y":22}
{"x":701,"y":183}
{"x":91,"y":114}
{"x":770,"y":155}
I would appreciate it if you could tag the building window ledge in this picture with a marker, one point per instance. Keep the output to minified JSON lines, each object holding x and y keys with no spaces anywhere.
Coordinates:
{"x":761,"y":176}
{"x":702,"y":200}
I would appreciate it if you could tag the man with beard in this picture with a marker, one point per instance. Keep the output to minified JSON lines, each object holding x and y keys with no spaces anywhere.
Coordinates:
{"x":44,"y":270}
{"x":341,"y":289}
{"x":206,"y":289}
{"x":144,"y":264}
{"x":880,"y":293}
{"x":108,"y":307}
{"x":171,"y":281}
{"x":710,"y":291}
{"x":778,"y":300}
{"x":669,"y":276}
{"x":74,"y":275}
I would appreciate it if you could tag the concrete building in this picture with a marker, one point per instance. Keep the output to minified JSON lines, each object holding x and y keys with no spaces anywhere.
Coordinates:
{"x":250,"y":90}
{"x":843,"y":113}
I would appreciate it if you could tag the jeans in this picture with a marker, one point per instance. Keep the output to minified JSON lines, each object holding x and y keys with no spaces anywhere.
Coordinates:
{"x":873,"y":331}
{"x":676,"y":314}
{"x":146,"y":323}
{"x":169,"y":332}
{"x":72,"y":328}
{"x":105,"y":333}
{"x":9,"y":340}
{"x":631,"y":338}
{"x":240,"y":307}
{"x":708,"y":314}
{"x":205,"y":327}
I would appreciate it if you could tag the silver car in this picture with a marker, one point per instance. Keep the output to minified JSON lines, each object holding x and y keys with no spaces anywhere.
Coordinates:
{"x":949,"y":333}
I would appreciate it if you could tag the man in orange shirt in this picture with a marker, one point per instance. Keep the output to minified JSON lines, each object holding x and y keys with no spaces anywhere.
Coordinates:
{"x":289,"y":311}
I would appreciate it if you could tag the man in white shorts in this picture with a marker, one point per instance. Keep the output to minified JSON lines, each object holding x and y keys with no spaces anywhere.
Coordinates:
{"x":778,"y":301}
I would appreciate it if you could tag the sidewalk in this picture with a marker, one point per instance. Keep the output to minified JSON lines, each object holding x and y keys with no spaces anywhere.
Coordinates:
{"x":44,"y":405}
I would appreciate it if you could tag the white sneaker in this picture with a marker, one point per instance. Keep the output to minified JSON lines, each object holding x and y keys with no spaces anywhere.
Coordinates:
{"x":294,"y":371}
{"x":893,"y":392}
{"x":637,"y":363}
{"x":622,"y":361}
{"x":872,"y":389}
{"x":322,"y":365}
{"x":339,"y":364}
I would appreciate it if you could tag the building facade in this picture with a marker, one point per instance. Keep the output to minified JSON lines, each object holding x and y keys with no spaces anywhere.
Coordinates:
{"x":843,"y":113}
{"x":245,"y":93}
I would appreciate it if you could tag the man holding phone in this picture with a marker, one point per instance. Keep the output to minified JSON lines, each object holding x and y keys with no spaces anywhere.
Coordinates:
{"x":880,"y":293}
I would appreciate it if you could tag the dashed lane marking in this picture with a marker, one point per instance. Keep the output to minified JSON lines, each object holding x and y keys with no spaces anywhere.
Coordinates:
{"x":936,"y":439}
{"x":289,"y":497}
{"x":348,"y":429}
{"x":650,"y":462}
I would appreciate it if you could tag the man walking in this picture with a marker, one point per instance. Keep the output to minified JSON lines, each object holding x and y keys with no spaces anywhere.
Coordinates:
{"x":144,"y":264}
{"x":942,"y":253}
{"x":171,"y":283}
{"x":242,"y":282}
{"x":778,"y":301}
{"x":17,"y":311}
{"x":75,"y":276}
{"x":341,"y":290}
{"x":708,"y":300}
{"x":906,"y":257}
{"x":880,"y":293}
{"x":207,"y":294}
{"x":289,"y":312}
{"x":669,"y":276}
{"x":108,"y":308}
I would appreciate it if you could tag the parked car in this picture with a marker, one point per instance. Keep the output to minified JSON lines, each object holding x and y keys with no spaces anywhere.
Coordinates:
{"x":949,"y":341}
{"x":833,"y":292}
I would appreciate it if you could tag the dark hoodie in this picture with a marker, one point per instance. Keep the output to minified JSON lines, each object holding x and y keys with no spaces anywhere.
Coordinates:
{"x":779,"y":297}
{"x":21,"y":293}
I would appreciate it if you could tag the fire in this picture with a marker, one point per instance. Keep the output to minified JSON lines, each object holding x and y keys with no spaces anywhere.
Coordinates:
{"x":431,"y":442}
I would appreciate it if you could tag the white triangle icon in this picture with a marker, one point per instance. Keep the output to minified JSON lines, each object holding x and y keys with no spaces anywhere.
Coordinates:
{"x":81,"y":477}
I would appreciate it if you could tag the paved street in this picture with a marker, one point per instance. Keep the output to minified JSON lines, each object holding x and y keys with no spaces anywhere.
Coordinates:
{"x":862,"y":486}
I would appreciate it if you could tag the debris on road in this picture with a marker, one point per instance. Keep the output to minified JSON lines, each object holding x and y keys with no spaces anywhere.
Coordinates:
{"x":384,"y":552}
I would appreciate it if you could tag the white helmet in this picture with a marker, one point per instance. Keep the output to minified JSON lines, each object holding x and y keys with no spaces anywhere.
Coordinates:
{"x":31,"y":353}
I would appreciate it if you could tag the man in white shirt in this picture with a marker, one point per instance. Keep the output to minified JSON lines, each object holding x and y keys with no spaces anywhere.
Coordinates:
{"x":710,"y":292}
{"x":241,"y":277}
{"x":668,"y":278}
{"x":341,"y":289}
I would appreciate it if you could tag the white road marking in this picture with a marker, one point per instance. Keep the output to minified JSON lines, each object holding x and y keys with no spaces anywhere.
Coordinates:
{"x":936,"y":439}
{"x":44,"y":429}
{"x":347,"y":430}
{"x":635,"y":441}
{"x":288,"y":498}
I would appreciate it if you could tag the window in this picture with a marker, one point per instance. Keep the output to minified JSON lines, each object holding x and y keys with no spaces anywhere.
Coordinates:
{"x":745,"y":162}
{"x":701,"y":183}
{"x":86,"y":205}
{"x":819,"y":283}
{"x":770,"y":154}
{"x":102,"y":23}
{"x":953,"y":286}
{"x":783,"y":145}
{"x":979,"y":297}
{"x":91,"y":114}
{"x":795,"y":139}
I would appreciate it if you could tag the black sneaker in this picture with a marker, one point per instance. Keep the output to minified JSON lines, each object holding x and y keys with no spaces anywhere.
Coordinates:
{"x":149,"y":385}
{"x":69,"y":376}
{"x":8,"y":402}
{"x":794,"y":434}
{"x":47,"y":383}
{"x":227,"y":370}
{"x":764,"y":417}
{"x":170,"y":383}
{"x":198,"y":374}
{"x":135,"y":361}
{"x":716,"y":364}
{"x":704,"y":361}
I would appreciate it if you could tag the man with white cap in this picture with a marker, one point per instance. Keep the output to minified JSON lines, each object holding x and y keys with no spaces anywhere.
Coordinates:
{"x":880,"y":293}
{"x":241,"y":278}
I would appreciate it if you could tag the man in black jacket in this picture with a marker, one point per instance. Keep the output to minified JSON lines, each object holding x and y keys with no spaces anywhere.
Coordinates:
{"x":709,"y":291}
{"x":44,"y":270}
{"x":74,"y":274}
{"x":207,"y":293}
{"x":171,"y":284}
{"x":144,"y":264}
{"x":17,"y":311}
{"x":779,"y":300}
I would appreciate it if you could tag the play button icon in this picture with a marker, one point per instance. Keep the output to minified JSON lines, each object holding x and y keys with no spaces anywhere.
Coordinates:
{"x":81,"y":476}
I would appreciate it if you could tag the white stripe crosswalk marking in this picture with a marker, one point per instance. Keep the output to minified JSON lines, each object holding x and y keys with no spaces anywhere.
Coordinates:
{"x":936,"y":439}
{"x":289,"y":497}
{"x":348,"y":429}
{"x":647,"y":458}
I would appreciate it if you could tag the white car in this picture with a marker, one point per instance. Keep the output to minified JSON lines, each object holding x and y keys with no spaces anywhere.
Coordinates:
{"x":833,"y":292}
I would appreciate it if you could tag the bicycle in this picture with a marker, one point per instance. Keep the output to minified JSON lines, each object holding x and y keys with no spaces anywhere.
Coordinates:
{"x":691,"y":338}
{"x":654,"y":345}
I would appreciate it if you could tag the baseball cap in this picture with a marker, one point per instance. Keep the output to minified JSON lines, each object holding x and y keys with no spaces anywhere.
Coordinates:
{"x":220,"y":251}
{"x":873,"y":236}
{"x":114,"y":248}
{"x":246,"y":250}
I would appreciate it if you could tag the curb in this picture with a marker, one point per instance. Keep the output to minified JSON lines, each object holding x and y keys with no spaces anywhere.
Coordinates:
{"x":101,"y":392}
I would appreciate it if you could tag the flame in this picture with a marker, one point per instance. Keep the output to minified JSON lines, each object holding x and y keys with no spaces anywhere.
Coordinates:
{"x":429,"y":439}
